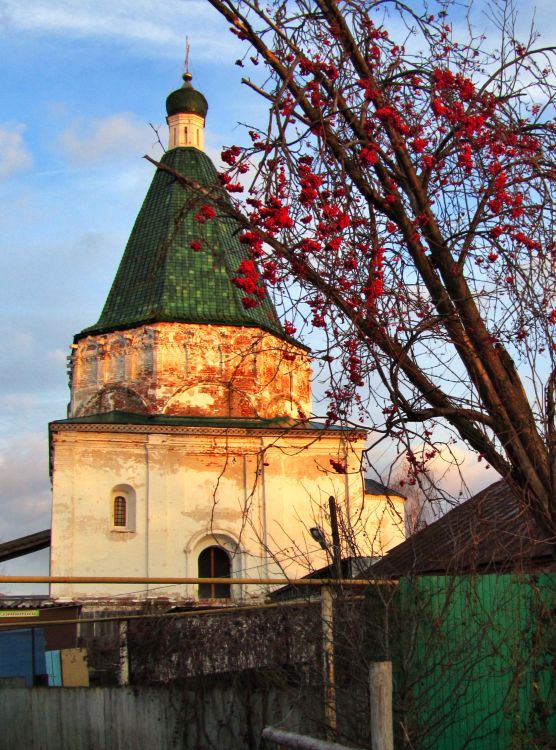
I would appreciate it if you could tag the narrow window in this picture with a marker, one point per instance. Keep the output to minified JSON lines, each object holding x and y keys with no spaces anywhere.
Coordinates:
{"x":214,"y":562}
{"x":119,"y":367}
{"x":148,"y":359}
{"x":120,"y":508}
{"x":92,"y":370}
{"x":185,"y":131}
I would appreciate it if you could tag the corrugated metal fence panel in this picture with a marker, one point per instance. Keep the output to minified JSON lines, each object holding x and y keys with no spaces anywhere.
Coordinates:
{"x":18,"y":648}
{"x":480,"y":669}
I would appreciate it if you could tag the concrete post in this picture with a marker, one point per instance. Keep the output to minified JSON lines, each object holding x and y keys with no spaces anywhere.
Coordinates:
{"x":380,"y":682}
{"x":327,"y":617}
{"x":123,"y":677}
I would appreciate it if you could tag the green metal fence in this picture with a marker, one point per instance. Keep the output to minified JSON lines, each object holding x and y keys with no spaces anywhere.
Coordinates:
{"x":475,"y":661}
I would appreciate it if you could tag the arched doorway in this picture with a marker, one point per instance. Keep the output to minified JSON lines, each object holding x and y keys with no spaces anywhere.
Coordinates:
{"x":214,"y":562}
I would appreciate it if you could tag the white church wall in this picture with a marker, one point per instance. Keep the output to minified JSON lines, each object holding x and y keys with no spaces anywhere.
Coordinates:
{"x":256,"y":496}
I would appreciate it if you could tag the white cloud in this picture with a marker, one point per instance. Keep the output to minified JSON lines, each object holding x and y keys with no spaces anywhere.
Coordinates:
{"x":160,"y":27}
{"x":14,"y":154}
{"x":459,"y":472}
{"x":25,"y":486}
{"x":24,"y":503}
{"x":115,"y":138}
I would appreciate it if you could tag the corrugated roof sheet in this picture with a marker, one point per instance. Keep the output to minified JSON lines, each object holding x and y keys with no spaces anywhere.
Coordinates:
{"x":493,"y":531}
{"x":33,"y":601}
{"x":161,"y":278}
{"x":350,"y":567}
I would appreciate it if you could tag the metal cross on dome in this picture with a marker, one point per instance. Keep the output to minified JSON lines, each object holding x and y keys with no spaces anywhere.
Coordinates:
{"x":187,"y":54}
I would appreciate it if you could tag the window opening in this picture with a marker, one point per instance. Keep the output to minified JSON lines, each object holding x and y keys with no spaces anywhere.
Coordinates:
{"x":214,"y":562}
{"x":119,"y":369}
{"x":148,"y":359}
{"x":92,"y":374}
{"x":120,"y":515}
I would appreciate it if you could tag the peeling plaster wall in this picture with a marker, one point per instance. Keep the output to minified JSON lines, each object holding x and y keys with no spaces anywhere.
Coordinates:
{"x":190,"y":370}
{"x":256,"y":495}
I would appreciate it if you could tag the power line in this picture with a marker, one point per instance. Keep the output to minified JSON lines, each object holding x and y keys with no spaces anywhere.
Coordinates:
{"x":195,"y":580}
{"x":291,"y":558}
{"x":172,"y":582}
{"x":227,"y":610}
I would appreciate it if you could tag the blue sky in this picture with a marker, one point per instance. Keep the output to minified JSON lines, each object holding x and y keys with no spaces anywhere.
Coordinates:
{"x":81,"y":81}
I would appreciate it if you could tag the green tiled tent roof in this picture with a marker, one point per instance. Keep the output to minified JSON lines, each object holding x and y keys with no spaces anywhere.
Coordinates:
{"x":161,"y":278}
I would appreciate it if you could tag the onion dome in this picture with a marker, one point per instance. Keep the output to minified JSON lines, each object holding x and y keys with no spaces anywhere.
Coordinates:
{"x":186,"y":100}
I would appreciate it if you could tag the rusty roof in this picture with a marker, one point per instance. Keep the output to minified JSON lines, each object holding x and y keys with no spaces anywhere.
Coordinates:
{"x":492,"y":532}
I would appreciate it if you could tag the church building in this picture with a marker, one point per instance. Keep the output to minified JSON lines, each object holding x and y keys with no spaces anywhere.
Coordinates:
{"x":188,"y":449}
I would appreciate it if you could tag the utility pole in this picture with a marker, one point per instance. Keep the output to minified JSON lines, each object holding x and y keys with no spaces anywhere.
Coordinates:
{"x":336,"y":549}
{"x":327,"y":616}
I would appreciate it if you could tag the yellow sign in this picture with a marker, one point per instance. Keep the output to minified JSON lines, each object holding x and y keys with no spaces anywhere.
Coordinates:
{"x":19,"y":612}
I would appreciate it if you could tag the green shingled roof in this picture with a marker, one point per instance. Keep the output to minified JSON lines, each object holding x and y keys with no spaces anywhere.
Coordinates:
{"x":161,"y":278}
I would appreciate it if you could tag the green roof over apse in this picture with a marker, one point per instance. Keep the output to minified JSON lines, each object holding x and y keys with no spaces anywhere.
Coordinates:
{"x":161,"y":278}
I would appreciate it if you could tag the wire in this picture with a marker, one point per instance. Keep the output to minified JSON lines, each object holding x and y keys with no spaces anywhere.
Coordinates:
{"x":168,"y":587}
{"x":178,"y":580}
{"x":226,"y":610}
{"x":244,"y":570}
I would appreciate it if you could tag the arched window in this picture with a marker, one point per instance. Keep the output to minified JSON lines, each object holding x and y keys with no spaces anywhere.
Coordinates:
{"x":120,"y":511}
{"x":122,"y":508}
{"x":214,"y":562}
